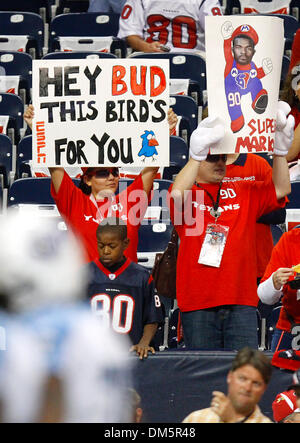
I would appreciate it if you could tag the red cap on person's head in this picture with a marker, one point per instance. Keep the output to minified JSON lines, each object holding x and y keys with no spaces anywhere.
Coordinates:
{"x":246,"y":30}
{"x":85,"y":170}
{"x":284,"y":404}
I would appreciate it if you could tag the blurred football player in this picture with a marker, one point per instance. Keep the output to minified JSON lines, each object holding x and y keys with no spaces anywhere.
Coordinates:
{"x":69,"y":368}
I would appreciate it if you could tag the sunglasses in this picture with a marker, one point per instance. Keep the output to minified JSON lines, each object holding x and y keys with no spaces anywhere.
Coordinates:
{"x":215,"y":158}
{"x":105,"y":173}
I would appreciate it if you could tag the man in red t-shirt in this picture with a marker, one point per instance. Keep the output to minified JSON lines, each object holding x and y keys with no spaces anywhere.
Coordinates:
{"x":275,"y":286}
{"x":216,"y":221}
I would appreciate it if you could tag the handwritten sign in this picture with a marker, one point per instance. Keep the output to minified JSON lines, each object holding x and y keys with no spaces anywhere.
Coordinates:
{"x":100,"y":112}
{"x":243,"y":64}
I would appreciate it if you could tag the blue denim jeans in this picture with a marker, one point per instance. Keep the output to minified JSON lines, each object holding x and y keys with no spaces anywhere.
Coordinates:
{"x":228,"y":328}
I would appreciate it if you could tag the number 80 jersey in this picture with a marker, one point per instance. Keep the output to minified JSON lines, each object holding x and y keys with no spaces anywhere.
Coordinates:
{"x":177,"y":24}
{"x":124,"y":300}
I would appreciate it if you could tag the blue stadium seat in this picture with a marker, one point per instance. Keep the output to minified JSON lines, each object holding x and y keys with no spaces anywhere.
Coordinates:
{"x":179,"y":155}
{"x":284,"y":69}
{"x":12,"y":105}
{"x":6,"y":163}
{"x":232,"y":7}
{"x":186,"y":107}
{"x":294,"y":8}
{"x":271,"y":324}
{"x":78,"y":54}
{"x":291,"y":25}
{"x":41,"y":7}
{"x":153,"y":238}
{"x":184,"y":65}
{"x":31,"y":191}
{"x":19,"y":63}
{"x":173,"y":329}
{"x":294,"y":196}
{"x":86,"y":25}
{"x":67,"y":6}
{"x":24,"y":154}
{"x":25,"y":23}
{"x":276,"y":233}
{"x":160,"y":192}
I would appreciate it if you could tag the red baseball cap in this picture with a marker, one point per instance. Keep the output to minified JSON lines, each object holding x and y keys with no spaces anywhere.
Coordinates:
{"x":246,"y":30}
{"x":284,"y":404}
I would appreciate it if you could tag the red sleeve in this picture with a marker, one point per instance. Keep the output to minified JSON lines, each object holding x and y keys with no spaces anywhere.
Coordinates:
{"x":263,"y":197}
{"x":228,"y":56}
{"x":295,"y":55}
{"x":279,"y":258}
{"x":260,"y":73}
{"x":67,"y":195}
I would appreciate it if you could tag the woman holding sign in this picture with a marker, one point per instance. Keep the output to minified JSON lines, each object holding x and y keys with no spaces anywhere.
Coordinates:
{"x":84,"y":207}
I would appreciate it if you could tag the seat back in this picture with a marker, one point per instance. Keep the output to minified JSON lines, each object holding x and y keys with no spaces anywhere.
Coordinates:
{"x":19,"y":63}
{"x":24,"y":23}
{"x":12,"y":105}
{"x":41,"y":7}
{"x":67,"y":6}
{"x":86,"y":25}
{"x":78,"y":54}
{"x":179,"y":155}
{"x":294,"y":196}
{"x":24,"y":154}
{"x":182,"y":65}
{"x":265,"y":6}
{"x":153,"y":238}
{"x":6,"y":165}
{"x":32,"y":190}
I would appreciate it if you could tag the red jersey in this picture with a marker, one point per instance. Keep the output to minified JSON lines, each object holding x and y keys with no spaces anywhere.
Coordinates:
{"x":285,"y":255}
{"x":296,"y":114}
{"x":234,"y":282}
{"x":255,"y":168}
{"x":83,"y":214}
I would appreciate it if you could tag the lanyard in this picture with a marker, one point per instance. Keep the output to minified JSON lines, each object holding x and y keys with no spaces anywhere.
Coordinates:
{"x":215,"y":209}
{"x":100,"y":216}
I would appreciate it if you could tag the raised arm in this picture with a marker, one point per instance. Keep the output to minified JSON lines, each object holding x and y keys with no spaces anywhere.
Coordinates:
{"x":283,"y":139}
{"x":208,"y":133}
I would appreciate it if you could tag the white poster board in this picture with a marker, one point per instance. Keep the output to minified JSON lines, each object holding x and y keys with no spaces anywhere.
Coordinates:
{"x":243,"y":66}
{"x":100,"y":112}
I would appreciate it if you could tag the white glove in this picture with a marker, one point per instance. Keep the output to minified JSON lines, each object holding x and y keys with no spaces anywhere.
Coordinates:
{"x":284,"y":132}
{"x":267,"y":65}
{"x":227,"y":30}
{"x":208,"y":133}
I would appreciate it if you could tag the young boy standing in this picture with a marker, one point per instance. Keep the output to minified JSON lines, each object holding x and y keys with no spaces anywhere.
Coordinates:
{"x":122,"y":292}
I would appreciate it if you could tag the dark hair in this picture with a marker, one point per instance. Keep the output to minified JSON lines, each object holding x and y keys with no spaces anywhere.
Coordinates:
{"x":113,"y":225}
{"x":255,"y":358}
{"x":287,"y":93}
{"x":86,"y":189}
{"x":244,"y":36}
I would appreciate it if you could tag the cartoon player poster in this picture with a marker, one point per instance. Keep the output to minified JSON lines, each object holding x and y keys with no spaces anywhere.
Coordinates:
{"x":244,"y":93}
